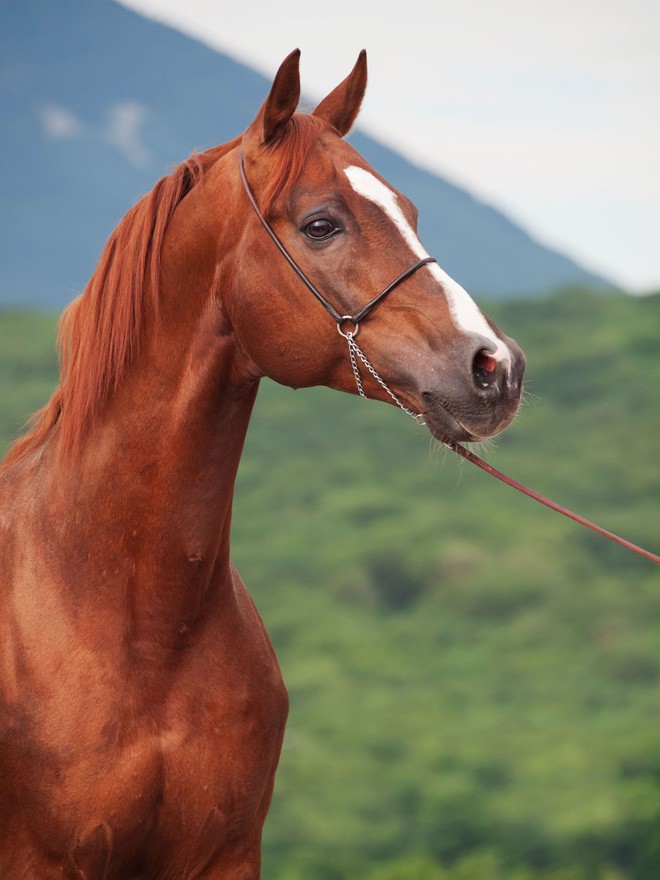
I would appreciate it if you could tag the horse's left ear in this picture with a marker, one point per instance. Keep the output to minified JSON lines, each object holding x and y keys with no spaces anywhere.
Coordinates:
{"x":283,"y":99}
{"x":342,"y":105}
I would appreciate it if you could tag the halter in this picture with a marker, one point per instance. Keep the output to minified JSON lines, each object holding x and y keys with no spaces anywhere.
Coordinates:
{"x":354,"y":350}
{"x":355,"y":353}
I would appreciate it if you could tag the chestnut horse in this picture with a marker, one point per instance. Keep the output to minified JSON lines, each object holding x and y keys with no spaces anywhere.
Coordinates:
{"x":142,"y":708}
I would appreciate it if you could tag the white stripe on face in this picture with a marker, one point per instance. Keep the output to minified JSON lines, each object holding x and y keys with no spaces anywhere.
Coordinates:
{"x":462,"y":307}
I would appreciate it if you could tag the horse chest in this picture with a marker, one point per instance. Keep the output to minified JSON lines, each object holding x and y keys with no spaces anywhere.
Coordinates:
{"x":171,"y":767}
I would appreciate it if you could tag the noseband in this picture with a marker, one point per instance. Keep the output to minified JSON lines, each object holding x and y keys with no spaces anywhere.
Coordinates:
{"x":354,"y":351}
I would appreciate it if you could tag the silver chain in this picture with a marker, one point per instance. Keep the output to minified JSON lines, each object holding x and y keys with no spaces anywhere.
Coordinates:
{"x":353,"y":350}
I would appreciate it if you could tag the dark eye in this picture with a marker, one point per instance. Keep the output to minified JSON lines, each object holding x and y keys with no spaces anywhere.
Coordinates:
{"x":321,"y":229}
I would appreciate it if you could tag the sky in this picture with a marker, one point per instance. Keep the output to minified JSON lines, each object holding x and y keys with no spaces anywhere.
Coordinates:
{"x":550,"y":111}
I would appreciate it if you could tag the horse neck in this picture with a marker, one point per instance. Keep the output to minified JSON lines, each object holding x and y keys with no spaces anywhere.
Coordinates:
{"x":144,"y":525}
{"x":153,"y":486}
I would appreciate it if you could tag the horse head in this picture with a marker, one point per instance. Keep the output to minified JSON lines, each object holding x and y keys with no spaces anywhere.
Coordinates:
{"x":350,"y":232}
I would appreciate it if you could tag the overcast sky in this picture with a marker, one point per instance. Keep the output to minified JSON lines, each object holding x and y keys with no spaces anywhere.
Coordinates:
{"x":548,"y":110}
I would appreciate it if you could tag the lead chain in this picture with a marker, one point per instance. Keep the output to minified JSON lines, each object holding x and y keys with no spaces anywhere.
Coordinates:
{"x":353,"y":350}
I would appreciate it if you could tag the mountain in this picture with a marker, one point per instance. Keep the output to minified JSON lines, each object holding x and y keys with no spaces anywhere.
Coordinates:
{"x":97,"y":103}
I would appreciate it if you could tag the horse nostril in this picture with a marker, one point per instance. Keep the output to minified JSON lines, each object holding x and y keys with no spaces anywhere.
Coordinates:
{"x":484,"y":369}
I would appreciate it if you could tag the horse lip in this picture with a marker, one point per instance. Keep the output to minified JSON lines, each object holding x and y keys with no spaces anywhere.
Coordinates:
{"x":454,"y":431}
{"x":454,"y":428}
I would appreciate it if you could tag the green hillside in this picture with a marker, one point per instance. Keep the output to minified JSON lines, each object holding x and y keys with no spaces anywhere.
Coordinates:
{"x":475,"y":681}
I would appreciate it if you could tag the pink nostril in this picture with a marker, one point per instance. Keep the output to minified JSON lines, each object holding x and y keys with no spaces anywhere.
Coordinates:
{"x":484,"y":370}
{"x":484,"y":361}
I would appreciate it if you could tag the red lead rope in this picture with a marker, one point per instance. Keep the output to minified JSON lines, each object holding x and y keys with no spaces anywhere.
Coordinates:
{"x":470,"y":456}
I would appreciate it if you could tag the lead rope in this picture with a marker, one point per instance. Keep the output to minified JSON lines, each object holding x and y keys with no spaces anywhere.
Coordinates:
{"x":355,"y":352}
{"x":489,"y":469}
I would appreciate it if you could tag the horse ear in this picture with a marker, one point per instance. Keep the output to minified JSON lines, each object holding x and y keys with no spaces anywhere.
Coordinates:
{"x":342,"y":105}
{"x":283,"y":99}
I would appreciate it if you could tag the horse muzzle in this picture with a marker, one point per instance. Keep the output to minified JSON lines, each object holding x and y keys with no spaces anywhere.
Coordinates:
{"x":479,"y":400}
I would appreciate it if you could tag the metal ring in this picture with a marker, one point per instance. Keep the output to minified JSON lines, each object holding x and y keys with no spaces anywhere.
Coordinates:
{"x":351,"y":333}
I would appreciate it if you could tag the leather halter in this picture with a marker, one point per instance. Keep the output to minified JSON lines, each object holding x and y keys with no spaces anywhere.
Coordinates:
{"x":355,"y":351}
{"x":332,"y":311}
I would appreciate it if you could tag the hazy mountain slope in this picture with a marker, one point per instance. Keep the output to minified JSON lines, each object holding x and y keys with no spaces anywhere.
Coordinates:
{"x":96,"y":103}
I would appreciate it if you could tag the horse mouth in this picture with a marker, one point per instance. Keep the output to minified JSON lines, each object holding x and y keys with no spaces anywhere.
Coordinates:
{"x":447,"y":426}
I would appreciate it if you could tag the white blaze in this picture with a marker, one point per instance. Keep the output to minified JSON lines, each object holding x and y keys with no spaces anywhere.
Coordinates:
{"x":462,"y":307}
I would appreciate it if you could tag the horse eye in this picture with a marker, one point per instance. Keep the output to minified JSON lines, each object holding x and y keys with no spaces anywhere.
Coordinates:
{"x":321,"y":229}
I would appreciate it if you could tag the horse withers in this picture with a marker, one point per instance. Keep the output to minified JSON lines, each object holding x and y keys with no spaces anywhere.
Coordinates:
{"x":141,"y":705}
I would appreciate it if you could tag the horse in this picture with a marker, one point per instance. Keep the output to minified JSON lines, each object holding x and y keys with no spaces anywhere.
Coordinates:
{"x":142,"y":706}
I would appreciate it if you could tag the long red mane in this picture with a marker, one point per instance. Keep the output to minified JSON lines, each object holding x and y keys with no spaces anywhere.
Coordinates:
{"x":99,"y":333}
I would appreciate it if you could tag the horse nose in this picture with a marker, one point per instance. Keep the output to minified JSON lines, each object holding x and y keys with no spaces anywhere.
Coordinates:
{"x":496,"y":370}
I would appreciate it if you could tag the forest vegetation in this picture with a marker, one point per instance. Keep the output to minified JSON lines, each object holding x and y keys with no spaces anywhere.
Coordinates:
{"x":474,"y":681}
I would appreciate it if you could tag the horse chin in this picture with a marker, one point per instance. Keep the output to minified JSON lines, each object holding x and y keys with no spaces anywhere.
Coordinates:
{"x":448,"y":427}
{"x":445,"y":428}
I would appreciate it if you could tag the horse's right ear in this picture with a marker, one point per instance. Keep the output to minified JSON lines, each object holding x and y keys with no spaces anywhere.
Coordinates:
{"x":342,"y":105}
{"x":281,"y":103}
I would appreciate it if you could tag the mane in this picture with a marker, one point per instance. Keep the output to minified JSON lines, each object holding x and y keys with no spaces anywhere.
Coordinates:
{"x":99,"y":333}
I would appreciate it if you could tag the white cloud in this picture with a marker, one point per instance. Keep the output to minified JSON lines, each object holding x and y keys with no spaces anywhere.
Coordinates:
{"x":59,"y":123}
{"x":122,"y":128}
{"x":123,"y":132}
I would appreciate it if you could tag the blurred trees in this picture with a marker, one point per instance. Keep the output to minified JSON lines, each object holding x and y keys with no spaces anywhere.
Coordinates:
{"x":475,"y":682}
